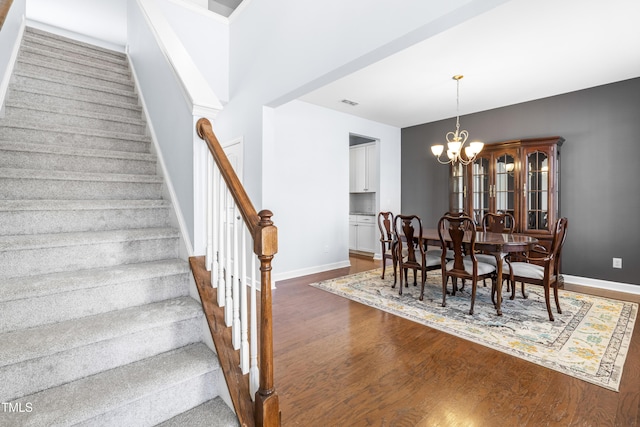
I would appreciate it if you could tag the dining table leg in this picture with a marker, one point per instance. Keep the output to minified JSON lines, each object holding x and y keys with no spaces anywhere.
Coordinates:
{"x":499,"y":261}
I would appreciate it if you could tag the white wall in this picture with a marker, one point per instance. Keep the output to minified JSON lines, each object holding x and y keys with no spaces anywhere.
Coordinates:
{"x":281,"y":49}
{"x":306,"y":185}
{"x":102,"y":20}
{"x":205,"y":36}
{"x":168,"y":109}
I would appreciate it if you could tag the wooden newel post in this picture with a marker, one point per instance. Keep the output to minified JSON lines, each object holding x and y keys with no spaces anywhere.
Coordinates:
{"x":267,"y":407}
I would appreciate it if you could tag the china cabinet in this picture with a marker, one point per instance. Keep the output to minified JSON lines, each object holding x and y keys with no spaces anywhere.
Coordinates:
{"x":520,"y":177}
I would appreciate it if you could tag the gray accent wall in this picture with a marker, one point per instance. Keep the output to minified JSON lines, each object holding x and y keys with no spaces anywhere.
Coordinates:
{"x":599,"y":171}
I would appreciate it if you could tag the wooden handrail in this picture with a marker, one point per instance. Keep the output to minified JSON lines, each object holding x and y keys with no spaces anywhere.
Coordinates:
{"x":5,"y":5}
{"x":265,"y":246}
{"x":240,"y":196}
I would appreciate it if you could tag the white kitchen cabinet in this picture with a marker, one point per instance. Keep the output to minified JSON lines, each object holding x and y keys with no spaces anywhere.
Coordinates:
{"x":362,"y":233}
{"x":353,"y":236}
{"x":363,"y":168}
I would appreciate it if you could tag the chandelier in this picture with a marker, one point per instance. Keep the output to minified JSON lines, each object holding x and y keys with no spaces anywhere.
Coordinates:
{"x":456,"y":140}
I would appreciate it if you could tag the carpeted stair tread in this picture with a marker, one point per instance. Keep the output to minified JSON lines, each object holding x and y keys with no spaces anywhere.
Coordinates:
{"x":17,"y":155}
{"x":30,"y":301}
{"x":66,"y":216}
{"x":27,"y":108}
{"x":41,"y":285}
{"x":75,"y":151}
{"x":49,"y":355}
{"x":83,"y":132}
{"x":82,"y":103}
{"x":35,"y":184}
{"x":73,"y":137}
{"x":214,"y":413}
{"x":15,"y":173}
{"x":54,"y":84}
{"x":77,"y":72}
{"x":45,"y":340}
{"x":30,"y":77}
{"x":74,"y":205}
{"x":50,"y":57}
{"x":30,"y":255}
{"x":78,"y":185}
{"x":58,"y":240}
{"x":36,"y":36}
{"x":141,"y":393}
{"x":79,"y":120}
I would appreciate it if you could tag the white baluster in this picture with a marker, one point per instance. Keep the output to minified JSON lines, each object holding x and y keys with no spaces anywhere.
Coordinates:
{"x":254,"y":372}
{"x":215,"y":217}
{"x":222,"y":287}
{"x":209,"y":189}
{"x":228,"y":309}
{"x":244,"y":333}
{"x":235,"y":331}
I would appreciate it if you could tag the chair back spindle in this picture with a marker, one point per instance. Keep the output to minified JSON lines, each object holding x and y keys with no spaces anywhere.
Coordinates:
{"x":501,"y":222}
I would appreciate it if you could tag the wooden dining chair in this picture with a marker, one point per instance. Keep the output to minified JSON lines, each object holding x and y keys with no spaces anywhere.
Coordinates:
{"x":460,"y":233}
{"x":500,"y":222}
{"x":388,"y":242}
{"x":411,"y":252}
{"x":542,"y":267}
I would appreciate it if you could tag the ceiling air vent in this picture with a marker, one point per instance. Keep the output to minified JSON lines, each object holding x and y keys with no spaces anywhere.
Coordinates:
{"x":349,"y":102}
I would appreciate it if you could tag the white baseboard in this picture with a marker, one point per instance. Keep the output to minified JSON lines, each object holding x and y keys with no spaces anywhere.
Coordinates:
{"x":602,"y":284}
{"x":311,"y":270}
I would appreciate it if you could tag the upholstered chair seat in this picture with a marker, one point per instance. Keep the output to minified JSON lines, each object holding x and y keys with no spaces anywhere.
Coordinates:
{"x":483,"y":268}
{"x":530,"y":271}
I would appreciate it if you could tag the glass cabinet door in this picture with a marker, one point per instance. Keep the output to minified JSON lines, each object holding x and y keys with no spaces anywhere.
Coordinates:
{"x":458,"y":193}
{"x":481,"y":189}
{"x":505,"y":184}
{"x":537,"y":191}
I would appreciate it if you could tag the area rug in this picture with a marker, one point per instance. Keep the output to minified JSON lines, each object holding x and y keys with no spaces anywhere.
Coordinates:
{"x":589,"y":340}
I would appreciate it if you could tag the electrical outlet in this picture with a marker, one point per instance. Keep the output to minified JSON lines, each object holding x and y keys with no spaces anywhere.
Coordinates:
{"x":617,"y":263}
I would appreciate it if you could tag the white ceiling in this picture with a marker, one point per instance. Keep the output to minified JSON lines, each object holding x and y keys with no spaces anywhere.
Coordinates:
{"x":517,"y":52}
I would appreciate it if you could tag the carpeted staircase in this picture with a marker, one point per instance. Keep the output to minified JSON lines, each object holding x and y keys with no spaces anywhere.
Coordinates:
{"x":96,"y":323}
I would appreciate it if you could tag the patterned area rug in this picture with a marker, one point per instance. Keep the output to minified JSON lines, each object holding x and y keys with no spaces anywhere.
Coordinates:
{"x":589,"y":340}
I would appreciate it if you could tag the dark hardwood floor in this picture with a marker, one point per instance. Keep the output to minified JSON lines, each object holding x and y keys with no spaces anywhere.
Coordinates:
{"x":340,"y":363}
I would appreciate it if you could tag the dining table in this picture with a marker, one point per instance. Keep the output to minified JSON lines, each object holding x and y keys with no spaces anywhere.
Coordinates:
{"x":497,"y":244}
